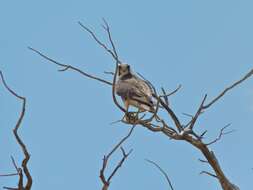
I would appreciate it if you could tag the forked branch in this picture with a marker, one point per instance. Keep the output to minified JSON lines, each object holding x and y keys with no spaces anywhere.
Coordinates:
{"x":113,"y":53}
{"x":106,"y":181}
{"x":99,"y":41}
{"x":222,"y":133}
{"x":24,"y":169}
{"x":67,"y":67}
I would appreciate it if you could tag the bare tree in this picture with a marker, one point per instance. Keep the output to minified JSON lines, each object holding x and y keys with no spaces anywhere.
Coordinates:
{"x":20,"y":171}
{"x":155,"y":123}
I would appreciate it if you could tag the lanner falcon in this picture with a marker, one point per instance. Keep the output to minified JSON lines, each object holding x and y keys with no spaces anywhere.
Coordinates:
{"x":133,"y":90}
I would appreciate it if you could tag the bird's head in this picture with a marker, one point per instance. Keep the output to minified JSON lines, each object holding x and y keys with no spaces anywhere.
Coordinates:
{"x":124,"y":70}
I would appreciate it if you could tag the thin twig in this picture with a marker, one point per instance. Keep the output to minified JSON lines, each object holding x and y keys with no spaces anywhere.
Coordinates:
{"x":66,"y":67}
{"x":16,"y":168}
{"x":203,"y":161}
{"x":11,"y":188}
{"x":222,"y":133}
{"x":249,"y":74}
{"x":203,"y":134}
{"x":171,"y":93}
{"x":162,"y":171}
{"x":208,"y":173}
{"x":188,"y":115}
{"x":97,"y":40}
{"x":14,"y":164}
{"x":109,"y":72}
{"x":107,"y":29}
{"x":8,"y":175}
{"x":121,"y":142}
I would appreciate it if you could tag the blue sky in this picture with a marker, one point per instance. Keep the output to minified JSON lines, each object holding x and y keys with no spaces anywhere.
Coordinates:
{"x":203,"y":45}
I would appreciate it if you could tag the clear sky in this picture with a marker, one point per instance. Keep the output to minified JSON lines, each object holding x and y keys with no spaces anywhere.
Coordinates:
{"x":203,"y":45}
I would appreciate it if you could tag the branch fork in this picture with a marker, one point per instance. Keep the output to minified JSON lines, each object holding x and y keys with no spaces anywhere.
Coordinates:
{"x":24,"y":169}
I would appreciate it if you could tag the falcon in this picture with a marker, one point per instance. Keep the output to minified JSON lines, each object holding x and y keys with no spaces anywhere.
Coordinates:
{"x":133,"y":90}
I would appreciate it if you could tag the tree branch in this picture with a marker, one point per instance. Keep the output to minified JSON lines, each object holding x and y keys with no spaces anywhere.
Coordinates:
{"x":162,"y":171}
{"x":99,"y":41}
{"x":106,"y":182}
{"x":124,"y":157}
{"x":222,"y":133}
{"x":194,"y":119}
{"x":249,"y":74}
{"x":20,"y":142}
{"x":208,"y":173}
{"x":107,"y":29}
{"x":66,"y":67}
{"x":113,"y":54}
{"x":8,"y":175}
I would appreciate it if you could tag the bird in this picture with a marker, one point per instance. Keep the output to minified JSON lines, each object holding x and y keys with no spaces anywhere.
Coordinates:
{"x":133,"y":90}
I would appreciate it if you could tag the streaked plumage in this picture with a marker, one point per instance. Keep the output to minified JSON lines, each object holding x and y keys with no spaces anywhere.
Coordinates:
{"x":133,"y":90}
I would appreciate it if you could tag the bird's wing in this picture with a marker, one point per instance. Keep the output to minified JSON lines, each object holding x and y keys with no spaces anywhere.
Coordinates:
{"x":135,"y":89}
{"x":144,"y":86}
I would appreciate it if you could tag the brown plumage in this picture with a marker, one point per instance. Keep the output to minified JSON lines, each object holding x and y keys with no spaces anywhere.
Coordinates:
{"x":133,"y":90}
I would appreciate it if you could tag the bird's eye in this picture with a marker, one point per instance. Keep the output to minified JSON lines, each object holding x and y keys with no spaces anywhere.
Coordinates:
{"x":128,"y":67}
